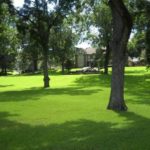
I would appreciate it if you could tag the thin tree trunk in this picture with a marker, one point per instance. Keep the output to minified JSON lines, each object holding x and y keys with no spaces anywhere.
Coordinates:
{"x":63,"y":67}
{"x":5,"y":71}
{"x":148,"y":44}
{"x":45,"y":65}
{"x":98,"y":65}
{"x":4,"y":67}
{"x":45,"y":39}
{"x":122,"y":24}
{"x":107,"y":55}
{"x":35,"y":65}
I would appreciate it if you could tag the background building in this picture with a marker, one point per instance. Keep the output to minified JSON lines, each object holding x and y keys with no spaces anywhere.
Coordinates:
{"x":85,"y":57}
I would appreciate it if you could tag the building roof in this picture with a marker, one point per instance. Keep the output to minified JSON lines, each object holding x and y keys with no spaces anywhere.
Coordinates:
{"x":90,"y":50}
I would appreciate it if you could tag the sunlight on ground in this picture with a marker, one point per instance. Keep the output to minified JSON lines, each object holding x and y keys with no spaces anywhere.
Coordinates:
{"x":74,"y":105}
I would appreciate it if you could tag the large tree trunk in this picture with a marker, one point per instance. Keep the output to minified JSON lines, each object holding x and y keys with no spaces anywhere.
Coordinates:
{"x":107,"y":55}
{"x":122,"y":24}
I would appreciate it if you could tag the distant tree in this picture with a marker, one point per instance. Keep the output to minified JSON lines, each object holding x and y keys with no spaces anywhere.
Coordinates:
{"x":8,"y":39}
{"x":10,"y":6}
{"x":99,"y":58}
{"x":101,"y":18}
{"x":63,"y":41}
{"x":38,"y":17}
{"x":122,"y":25}
{"x":30,"y":53}
{"x":137,"y":45}
{"x":140,"y":10}
{"x":68,"y":64}
{"x":147,"y":13}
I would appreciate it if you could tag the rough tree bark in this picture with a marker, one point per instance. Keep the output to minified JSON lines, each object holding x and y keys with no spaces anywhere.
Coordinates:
{"x":45,"y":65}
{"x":122,"y":25}
{"x":106,"y":59}
{"x":45,"y":71}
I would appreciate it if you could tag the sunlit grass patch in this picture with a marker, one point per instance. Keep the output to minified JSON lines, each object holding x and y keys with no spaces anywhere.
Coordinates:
{"x":72,"y":114}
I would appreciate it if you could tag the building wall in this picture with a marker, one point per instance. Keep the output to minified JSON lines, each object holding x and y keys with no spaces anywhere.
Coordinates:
{"x":84,"y":60}
{"x":80,"y":60}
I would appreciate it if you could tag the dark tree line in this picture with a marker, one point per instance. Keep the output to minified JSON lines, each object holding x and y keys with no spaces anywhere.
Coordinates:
{"x":8,"y":39}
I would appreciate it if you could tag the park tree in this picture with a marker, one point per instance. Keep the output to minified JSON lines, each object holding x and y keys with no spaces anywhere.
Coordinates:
{"x":63,"y":40}
{"x":140,"y":10}
{"x":102,"y":20}
{"x":137,"y":45}
{"x":122,"y":25}
{"x":10,"y":6}
{"x":8,"y":38}
{"x":33,"y":53}
{"x":96,"y":15}
{"x":38,"y":17}
{"x":145,"y":10}
{"x":29,"y":53}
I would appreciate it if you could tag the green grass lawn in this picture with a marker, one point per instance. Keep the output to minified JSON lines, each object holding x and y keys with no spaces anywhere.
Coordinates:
{"x":72,"y":114}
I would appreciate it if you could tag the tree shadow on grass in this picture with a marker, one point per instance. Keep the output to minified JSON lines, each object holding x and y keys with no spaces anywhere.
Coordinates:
{"x":37,"y":93}
{"x":76,"y":135}
{"x":137,"y":86}
{"x":135,"y":71}
{"x":93,"y":81}
{"x":3,"y":86}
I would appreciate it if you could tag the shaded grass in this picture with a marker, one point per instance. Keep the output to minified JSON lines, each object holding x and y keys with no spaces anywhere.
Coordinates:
{"x":81,"y":134}
{"x":72,"y":115}
{"x":36,"y":93}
